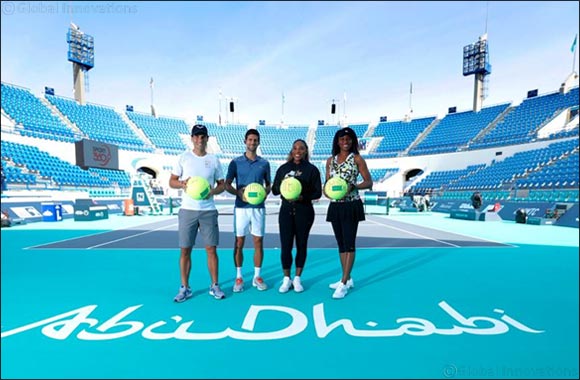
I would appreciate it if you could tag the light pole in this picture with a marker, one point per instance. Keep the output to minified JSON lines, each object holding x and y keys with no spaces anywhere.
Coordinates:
{"x":283,"y":101}
{"x":220,"y":107}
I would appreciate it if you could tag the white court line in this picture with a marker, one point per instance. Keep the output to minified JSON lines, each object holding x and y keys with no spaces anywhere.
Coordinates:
{"x":413,"y":233}
{"x":333,"y":249}
{"x":227,"y":224}
{"x":469,"y":236}
{"x":84,"y":236}
{"x":131,"y":236}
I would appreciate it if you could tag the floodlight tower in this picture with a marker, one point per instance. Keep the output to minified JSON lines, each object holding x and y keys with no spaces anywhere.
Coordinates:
{"x":476,"y":61}
{"x":81,"y":53}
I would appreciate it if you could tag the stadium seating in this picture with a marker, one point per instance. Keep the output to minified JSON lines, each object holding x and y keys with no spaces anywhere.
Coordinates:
{"x":456,"y":130}
{"x":163,"y":132}
{"x":35,"y":118}
{"x":100,"y":123}
{"x":548,"y":173}
{"x":523,"y":122}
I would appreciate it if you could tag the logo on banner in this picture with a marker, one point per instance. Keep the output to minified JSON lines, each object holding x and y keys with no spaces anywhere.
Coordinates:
{"x":102,"y":154}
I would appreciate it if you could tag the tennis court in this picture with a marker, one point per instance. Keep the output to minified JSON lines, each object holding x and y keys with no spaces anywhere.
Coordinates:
{"x":434,"y":297}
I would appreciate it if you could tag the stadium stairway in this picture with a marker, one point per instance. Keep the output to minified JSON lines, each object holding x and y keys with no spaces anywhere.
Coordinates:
{"x":139,"y":132}
{"x":490,"y":126}
{"x":421,"y":137}
{"x":65,"y":120}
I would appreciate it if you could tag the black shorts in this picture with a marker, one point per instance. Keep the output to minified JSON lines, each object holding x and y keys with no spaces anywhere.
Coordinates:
{"x":345,"y":217}
{"x":345,"y":211}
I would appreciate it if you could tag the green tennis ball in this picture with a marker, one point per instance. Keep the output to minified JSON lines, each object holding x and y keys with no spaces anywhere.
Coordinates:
{"x":197,"y":188}
{"x":290,"y":188}
{"x":255,"y":193}
{"x":336,"y":188}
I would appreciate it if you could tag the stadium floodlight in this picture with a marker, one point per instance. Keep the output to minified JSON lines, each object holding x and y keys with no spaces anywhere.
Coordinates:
{"x":476,"y":62}
{"x":81,"y":52}
{"x":81,"y":47}
{"x":476,"y":58}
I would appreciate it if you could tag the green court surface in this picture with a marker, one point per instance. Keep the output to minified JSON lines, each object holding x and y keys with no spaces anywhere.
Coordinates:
{"x":498,"y":311}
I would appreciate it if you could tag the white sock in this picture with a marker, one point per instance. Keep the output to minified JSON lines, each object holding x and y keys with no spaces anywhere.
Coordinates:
{"x":239,"y":272}
{"x":257,"y":271}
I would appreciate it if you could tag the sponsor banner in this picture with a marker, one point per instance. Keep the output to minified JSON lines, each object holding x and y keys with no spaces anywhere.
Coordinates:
{"x":25,"y":212}
{"x":114,"y":207}
{"x":446,"y":205}
{"x":507,"y":210}
{"x":465,"y":214}
{"x":31,"y":211}
{"x":67,"y":209}
{"x":570,"y":217}
{"x":87,"y":213}
{"x":96,"y":154}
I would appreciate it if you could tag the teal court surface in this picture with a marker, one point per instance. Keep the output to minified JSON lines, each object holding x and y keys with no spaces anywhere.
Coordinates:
{"x":434,"y":297}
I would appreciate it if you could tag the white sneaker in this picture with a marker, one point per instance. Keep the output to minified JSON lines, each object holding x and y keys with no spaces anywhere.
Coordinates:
{"x":349,"y":283}
{"x":297,"y":285}
{"x":238,"y":285}
{"x":286,"y":285}
{"x":259,"y":283}
{"x":341,"y":291}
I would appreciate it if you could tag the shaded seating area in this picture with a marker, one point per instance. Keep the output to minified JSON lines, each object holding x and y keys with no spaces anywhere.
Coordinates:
{"x":522,"y":123}
{"x":397,"y":136}
{"x":163,"y":132}
{"x":33,"y":117}
{"x":456,"y":130}
{"x":100,"y":123}
{"x":40,"y":165}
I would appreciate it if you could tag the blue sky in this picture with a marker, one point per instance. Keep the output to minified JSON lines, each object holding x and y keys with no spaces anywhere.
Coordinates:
{"x":313,"y":52}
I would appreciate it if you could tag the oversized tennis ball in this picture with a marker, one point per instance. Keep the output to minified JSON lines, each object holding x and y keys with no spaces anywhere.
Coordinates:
{"x":290,"y":188}
{"x":336,"y":188}
{"x":255,"y":193}
{"x":197,"y":188}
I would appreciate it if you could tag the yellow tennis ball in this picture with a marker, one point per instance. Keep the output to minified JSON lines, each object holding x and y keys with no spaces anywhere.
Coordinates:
{"x":336,"y":188}
{"x":255,"y":193}
{"x":290,"y":188}
{"x":197,"y":188}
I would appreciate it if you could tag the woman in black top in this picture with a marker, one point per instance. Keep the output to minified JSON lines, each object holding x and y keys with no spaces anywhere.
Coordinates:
{"x":296,"y":217}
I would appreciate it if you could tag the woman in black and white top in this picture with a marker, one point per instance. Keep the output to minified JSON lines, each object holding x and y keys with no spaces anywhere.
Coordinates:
{"x":346,"y":213}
